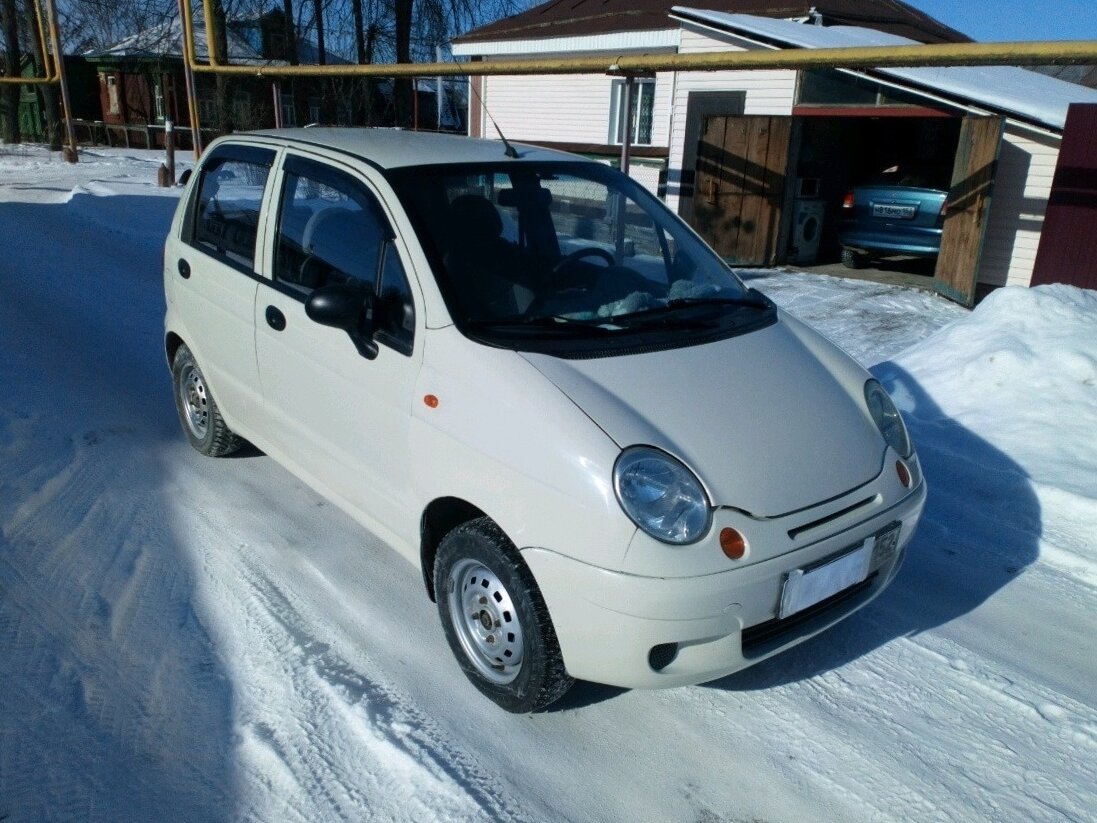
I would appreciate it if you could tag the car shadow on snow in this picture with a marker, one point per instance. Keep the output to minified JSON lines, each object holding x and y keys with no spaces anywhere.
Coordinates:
{"x":117,"y":704}
{"x":981,"y":527}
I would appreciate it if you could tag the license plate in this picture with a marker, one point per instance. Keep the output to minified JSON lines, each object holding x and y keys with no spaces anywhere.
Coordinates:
{"x":894,"y":211}
{"x":806,"y":587}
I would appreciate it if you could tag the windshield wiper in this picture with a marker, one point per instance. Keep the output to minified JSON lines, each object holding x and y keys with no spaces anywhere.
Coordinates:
{"x":540,"y":323}
{"x":751,"y":300}
{"x":669,"y":313}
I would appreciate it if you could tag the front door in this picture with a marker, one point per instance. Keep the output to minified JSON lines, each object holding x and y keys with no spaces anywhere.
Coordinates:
{"x":340,"y":419}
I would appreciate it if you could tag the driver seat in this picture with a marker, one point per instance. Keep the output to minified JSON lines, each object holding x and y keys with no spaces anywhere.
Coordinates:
{"x":482,"y":264}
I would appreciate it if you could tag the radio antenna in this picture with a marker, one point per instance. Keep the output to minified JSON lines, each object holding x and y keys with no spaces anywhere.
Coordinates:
{"x":508,"y":149}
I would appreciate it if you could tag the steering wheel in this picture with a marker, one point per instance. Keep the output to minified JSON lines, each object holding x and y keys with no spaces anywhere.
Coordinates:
{"x":579,"y":254}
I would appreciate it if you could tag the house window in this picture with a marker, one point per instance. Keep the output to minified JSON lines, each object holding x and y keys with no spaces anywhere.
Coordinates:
{"x":314,"y":109}
{"x":112,"y":94}
{"x":207,"y":109}
{"x":158,"y":98}
{"x":289,"y":111}
{"x":643,"y":111}
{"x":241,"y":109}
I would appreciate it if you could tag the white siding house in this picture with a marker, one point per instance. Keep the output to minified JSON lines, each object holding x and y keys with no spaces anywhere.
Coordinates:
{"x":579,"y":113}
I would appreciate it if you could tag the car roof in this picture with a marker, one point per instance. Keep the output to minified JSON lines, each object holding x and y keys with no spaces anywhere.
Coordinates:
{"x":394,"y":148}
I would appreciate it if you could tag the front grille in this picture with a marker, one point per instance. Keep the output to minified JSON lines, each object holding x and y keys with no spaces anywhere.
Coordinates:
{"x":822,"y":521}
{"x":759,"y":639}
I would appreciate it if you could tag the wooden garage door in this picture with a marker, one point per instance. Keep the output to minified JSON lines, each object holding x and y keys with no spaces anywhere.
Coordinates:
{"x":1068,"y":242}
{"x":968,"y":208}
{"x":739,"y":185}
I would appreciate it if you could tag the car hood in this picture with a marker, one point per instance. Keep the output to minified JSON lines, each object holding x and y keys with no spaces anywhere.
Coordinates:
{"x":772,"y":421}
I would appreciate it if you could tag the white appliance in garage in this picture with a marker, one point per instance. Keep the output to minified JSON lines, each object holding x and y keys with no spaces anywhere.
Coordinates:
{"x":807,"y":228}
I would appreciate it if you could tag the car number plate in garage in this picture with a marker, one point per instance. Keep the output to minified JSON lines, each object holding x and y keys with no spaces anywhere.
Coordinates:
{"x":894,"y":211}
{"x":806,"y":587}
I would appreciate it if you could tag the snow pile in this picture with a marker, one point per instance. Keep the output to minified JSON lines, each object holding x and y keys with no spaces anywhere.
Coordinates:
{"x":198,"y":639}
{"x":1019,"y":376}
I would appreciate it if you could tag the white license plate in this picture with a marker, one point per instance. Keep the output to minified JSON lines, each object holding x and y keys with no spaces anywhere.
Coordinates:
{"x":806,"y":588}
{"x":894,"y":211}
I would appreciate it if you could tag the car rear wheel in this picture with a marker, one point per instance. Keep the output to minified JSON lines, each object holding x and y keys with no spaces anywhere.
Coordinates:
{"x":199,"y":415}
{"x":852,"y":259}
{"x":495,"y":619}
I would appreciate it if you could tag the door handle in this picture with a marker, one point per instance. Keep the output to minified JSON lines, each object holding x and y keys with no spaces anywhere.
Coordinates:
{"x":184,"y":269}
{"x":275,"y":319}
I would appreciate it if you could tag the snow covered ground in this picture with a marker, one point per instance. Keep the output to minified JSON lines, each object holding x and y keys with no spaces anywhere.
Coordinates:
{"x":190,"y":639}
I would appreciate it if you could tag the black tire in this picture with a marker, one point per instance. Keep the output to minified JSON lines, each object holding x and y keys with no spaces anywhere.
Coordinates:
{"x":852,"y":259}
{"x":199,"y":415}
{"x":478,"y":553}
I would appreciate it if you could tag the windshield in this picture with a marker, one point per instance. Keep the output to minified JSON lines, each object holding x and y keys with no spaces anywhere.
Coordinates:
{"x":531,"y":254}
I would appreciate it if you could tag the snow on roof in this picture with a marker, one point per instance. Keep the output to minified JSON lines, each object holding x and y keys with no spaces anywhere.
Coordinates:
{"x":166,"y":40}
{"x":393,"y":148}
{"x":1027,"y":94}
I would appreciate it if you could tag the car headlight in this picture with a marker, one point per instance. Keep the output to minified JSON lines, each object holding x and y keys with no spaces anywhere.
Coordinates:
{"x":887,"y":417}
{"x":661,"y":496}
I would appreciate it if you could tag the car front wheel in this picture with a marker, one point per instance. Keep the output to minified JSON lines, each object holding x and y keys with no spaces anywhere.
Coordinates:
{"x":495,"y":619}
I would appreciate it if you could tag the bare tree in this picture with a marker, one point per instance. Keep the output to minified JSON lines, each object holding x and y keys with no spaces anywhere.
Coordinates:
{"x":47,"y":93}
{"x":9,"y":21}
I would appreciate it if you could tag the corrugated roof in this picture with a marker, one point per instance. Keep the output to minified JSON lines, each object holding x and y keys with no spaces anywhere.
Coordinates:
{"x":1028,"y":95}
{"x":568,"y":18}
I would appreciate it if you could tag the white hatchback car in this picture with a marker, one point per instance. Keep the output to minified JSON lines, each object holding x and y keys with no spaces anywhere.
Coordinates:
{"x":610,"y":458}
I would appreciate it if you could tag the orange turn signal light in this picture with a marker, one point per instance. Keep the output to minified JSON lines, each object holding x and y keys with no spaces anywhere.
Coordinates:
{"x":903,"y":472}
{"x":733,"y":543}
{"x":431,"y":401}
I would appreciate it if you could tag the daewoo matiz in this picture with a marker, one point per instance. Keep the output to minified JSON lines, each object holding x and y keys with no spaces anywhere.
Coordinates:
{"x":611,"y":459}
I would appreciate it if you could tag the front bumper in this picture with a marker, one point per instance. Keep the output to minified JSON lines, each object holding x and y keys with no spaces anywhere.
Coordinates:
{"x":607,"y":622}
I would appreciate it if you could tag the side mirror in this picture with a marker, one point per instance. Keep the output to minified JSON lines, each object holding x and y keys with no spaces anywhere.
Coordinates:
{"x":350,"y":308}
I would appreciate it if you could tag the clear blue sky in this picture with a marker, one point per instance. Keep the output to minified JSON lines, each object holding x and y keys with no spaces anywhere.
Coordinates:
{"x":1016,"y":19}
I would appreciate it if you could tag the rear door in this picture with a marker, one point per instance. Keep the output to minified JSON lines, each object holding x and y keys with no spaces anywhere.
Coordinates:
{"x":338,"y":418}
{"x":215,"y":274}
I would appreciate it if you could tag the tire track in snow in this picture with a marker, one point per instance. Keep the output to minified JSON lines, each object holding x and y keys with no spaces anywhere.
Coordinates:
{"x":83,"y":595}
{"x":923,"y":720}
{"x":385,"y":722}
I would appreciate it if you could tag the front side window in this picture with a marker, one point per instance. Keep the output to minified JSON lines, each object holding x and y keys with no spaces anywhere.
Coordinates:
{"x":331,"y":231}
{"x":570,"y":258}
{"x":643,"y":111}
{"x":226,"y":209}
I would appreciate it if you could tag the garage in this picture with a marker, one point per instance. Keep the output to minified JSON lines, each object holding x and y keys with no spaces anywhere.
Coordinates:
{"x":939,"y":174}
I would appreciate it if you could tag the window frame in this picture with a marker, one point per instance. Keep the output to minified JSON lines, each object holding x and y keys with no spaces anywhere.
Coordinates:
{"x":616,"y":113}
{"x":316,"y":168}
{"x":243,"y":153}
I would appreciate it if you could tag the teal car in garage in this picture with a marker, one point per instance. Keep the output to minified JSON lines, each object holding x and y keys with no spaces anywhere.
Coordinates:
{"x":901,"y":212}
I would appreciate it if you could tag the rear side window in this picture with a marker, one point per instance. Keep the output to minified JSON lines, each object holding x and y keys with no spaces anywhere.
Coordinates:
{"x":224,"y":219}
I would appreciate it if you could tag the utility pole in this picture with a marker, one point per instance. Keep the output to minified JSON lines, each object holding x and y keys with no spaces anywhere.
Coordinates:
{"x":69,"y":150}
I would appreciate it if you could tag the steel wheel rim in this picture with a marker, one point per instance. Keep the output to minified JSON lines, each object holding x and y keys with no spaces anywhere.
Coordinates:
{"x":485,"y":621}
{"x":192,"y":390}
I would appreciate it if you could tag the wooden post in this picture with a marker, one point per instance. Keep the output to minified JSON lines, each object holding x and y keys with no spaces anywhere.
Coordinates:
{"x":276,"y":90}
{"x":169,"y":149}
{"x":626,"y":127}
